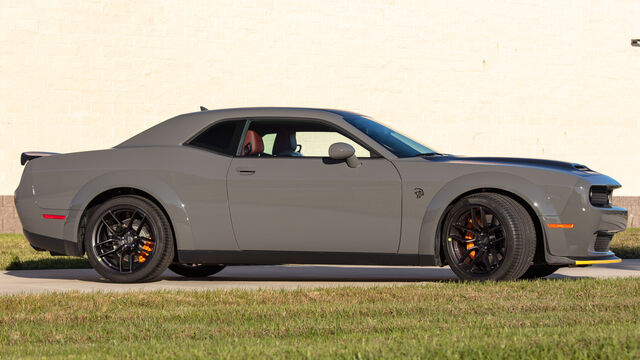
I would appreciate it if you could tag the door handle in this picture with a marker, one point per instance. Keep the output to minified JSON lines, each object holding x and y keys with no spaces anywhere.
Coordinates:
{"x":245,"y":171}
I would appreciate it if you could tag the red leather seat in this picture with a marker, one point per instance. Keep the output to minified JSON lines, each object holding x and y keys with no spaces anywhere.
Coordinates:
{"x":253,"y":144}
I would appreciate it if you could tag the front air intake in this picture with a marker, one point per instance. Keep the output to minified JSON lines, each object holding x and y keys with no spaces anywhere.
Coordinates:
{"x":602,"y":242}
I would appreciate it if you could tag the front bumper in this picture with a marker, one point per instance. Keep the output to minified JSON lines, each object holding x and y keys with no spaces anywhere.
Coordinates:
{"x":611,"y":260}
{"x":587,"y":241}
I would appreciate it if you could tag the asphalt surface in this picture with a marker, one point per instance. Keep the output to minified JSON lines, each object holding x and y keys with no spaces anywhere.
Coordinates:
{"x":271,"y":277}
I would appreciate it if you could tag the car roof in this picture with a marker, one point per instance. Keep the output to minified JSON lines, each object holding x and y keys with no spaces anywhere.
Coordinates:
{"x":181,"y":128}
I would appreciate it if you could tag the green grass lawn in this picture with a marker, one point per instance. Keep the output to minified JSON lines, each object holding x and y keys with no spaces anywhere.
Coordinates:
{"x":627,"y":244}
{"x":15,"y":252}
{"x":585,"y":318}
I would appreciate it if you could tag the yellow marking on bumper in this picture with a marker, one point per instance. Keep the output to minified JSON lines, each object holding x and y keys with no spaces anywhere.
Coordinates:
{"x":592,"y":262}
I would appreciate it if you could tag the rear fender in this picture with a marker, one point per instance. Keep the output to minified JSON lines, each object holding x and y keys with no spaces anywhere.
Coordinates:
{"x":150,"y":184}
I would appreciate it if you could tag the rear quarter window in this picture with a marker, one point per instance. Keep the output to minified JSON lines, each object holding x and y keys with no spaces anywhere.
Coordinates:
{"x":221,"y":138}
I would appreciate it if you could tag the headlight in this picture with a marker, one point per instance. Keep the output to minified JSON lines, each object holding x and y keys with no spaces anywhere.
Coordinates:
{"x":601,"y":196}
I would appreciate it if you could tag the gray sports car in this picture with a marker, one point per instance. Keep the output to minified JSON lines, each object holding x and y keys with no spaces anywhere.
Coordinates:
{"x":313,"y":186}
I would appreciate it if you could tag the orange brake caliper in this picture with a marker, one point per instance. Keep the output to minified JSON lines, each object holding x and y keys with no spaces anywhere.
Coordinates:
{"x":469,"y":236}
{"x":146,"y":249}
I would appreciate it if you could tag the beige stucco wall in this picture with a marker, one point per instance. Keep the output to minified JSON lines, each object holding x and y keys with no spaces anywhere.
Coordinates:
{"x":551,"y":79}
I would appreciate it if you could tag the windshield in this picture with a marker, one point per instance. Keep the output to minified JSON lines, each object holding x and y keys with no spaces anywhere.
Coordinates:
{"x":400,"y":145}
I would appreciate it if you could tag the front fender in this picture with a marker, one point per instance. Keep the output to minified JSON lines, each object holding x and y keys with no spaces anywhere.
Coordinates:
{"x":543,"y":199}
{"x":146,"y":182}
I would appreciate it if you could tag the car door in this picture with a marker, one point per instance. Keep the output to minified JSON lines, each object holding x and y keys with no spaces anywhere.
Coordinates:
{"x":285,"y":194}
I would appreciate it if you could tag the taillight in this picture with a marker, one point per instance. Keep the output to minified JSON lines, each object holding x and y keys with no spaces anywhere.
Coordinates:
{"x":54,"y":217}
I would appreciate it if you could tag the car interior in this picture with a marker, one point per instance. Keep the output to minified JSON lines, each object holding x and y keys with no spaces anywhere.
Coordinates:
{"x":281,"y":139}
{"x":284,"y":144}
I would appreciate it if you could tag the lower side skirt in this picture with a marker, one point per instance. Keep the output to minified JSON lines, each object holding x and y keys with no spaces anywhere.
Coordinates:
{"x":263,"y":257}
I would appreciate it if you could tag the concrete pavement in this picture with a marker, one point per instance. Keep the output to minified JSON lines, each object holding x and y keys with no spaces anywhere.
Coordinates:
{"x":270,"y":277}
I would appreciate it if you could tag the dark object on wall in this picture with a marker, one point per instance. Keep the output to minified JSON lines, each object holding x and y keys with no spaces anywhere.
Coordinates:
{"x":635,"y":42}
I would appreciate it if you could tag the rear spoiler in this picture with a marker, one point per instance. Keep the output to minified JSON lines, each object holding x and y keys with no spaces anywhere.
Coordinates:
{"x":30,"y":155}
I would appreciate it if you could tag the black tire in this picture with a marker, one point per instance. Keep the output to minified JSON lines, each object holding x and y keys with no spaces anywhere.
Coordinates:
{"x":539,"y":271}
{"x":129,"y":239}
{"x":195,"y":270}
{"x":498,"y":245}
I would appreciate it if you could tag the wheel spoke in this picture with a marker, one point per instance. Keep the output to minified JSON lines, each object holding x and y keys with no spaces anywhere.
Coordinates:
{"x":121,"y":259}
{"x":108,"y":226}
{"x":110,"y":251}
{"x":474,"y":219}
{"x":106,"y":242}
{"x":133,"y":215}
{"x":467,"y":253}
{"x":483,"y":218}
{"x":113,"y":216}
{"x":459,"y":238}
{"x":494,"y":256}
{"x":131,"y":261}
{"x":498,"y":239}
{"x":485,"y":261}
{"x":479,"y":254}
{"x":142,"y":219}
{"x":464,"y":228}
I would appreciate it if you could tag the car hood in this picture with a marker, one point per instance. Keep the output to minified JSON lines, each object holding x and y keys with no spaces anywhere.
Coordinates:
{"x":525,"y":162}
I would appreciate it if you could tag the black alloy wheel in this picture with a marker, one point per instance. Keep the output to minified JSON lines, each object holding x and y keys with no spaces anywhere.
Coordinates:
{"x":488,"y":236}
{"x":129,"y":240}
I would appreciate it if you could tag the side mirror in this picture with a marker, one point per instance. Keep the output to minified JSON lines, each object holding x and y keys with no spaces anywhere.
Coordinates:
{"x":346,"y":152}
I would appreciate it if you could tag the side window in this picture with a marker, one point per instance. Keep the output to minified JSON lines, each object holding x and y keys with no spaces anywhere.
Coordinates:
{"x":291,"y":138}
{"x":221,"y":138}
{"x":317,"y":143}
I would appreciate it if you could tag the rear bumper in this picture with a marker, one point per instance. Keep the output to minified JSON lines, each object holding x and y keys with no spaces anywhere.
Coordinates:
{"x":56,"y":246}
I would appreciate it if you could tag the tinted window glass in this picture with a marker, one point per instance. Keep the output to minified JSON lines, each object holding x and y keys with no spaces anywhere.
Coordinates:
{"x":222,"y":138}
{"x":398,"y":144}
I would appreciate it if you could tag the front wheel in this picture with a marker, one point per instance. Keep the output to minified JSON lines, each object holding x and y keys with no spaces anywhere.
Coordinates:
{"x":488,"y":236}
{"x":129,"y":240}
{"x":195,"y":270}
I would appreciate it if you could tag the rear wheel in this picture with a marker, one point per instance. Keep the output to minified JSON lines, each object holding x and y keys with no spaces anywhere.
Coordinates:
{"x":129,"y":240}
{"x":539,"y":271}
{"x":488,"y":236}
{"x":195,"y":270}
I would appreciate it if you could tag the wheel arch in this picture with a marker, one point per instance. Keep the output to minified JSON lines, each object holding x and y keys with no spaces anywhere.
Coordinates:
{"x":106,"y":195}
{"x":540,"y":243}
{"x":109,"y":185}
{"x":531,"y":196}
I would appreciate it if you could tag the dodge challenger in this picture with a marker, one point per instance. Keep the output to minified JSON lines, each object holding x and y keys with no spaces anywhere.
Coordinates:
{"x":310,"y":186}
